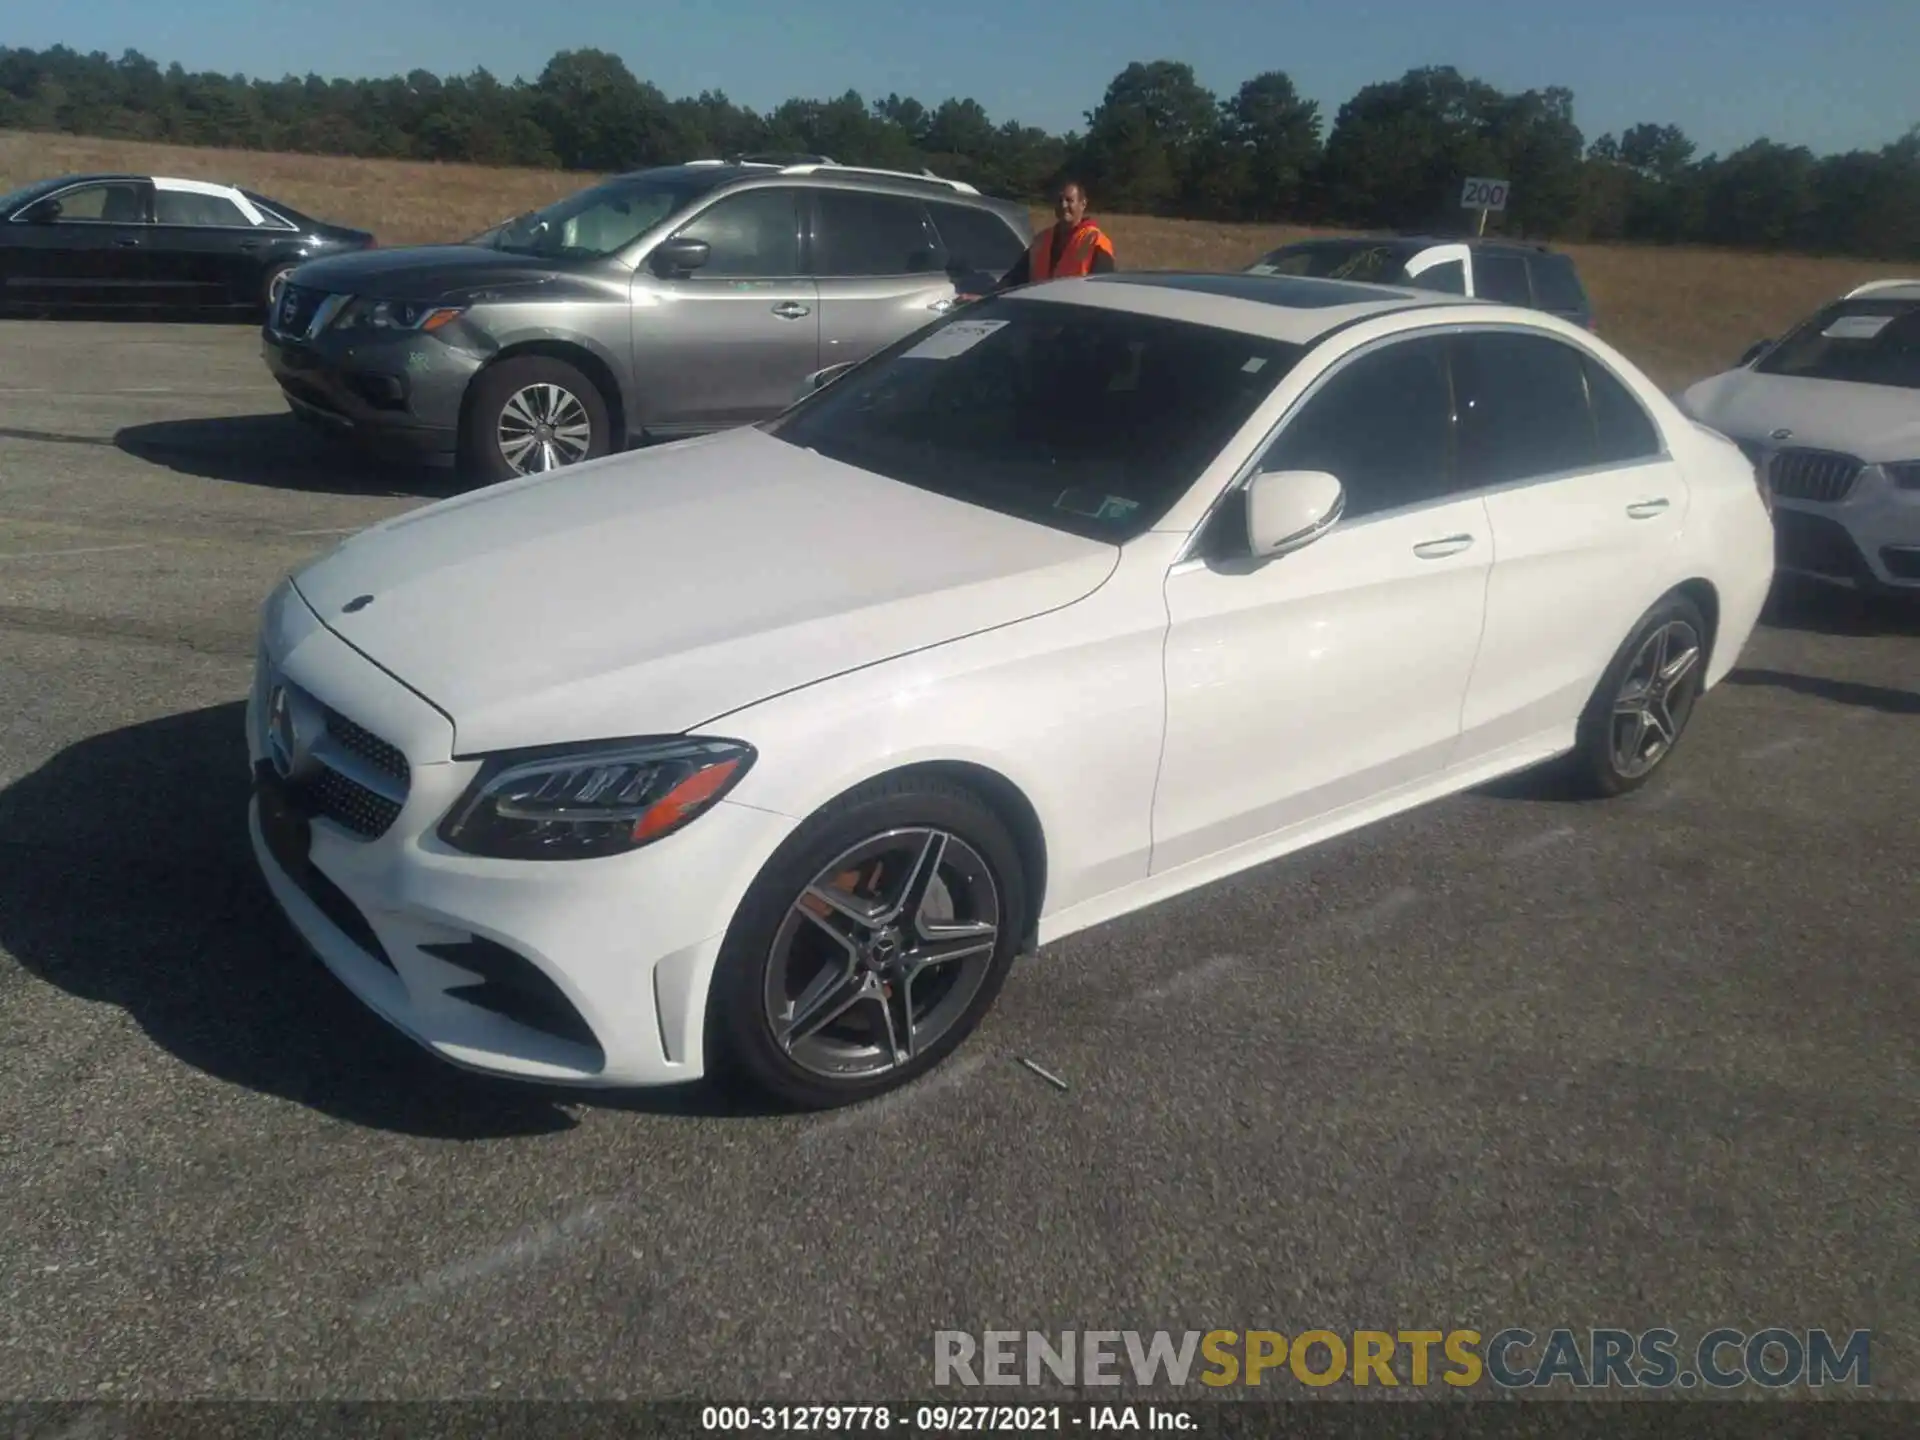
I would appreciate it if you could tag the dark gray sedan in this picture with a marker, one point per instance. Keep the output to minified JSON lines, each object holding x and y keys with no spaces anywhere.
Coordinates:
{"x":103,"y":242}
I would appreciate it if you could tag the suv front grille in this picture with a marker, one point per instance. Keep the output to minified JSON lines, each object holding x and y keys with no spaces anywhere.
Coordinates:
{"x":296,"y":309}
{"x":1818,"y":475}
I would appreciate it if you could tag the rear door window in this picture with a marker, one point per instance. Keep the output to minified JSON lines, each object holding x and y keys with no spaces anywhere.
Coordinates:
{"x":976,"y":240}
{"x":1502,"y":278}
{"x":858,"y":234}
{"x":1522,"y":403}
{"x":1555,"y":285}
{"x":190,"y":207}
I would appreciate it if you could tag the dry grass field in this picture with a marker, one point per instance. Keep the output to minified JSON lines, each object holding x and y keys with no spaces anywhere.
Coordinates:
{"x":1680,"y":313}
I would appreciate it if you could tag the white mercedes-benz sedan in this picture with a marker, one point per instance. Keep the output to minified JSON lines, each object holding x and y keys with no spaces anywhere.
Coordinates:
{"x":769,"y":751}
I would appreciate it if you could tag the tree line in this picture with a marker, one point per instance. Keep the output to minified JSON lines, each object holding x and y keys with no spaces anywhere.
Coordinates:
{"x":1159,"y":143}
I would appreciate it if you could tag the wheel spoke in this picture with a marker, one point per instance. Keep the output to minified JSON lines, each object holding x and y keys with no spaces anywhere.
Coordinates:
{"x":1679,"y":666}
{"x":1660,"y":722}
{"x":943,"y":942}
{"x":926,"y":868}
{"x":1629,"y":753}
{"x":833,"y":992}
{"x":867,"y":915}
{"x":516,"y":410}
{"x":514,"y":451}
{"x":1632,"y":700}
{"x":896,"y":1004}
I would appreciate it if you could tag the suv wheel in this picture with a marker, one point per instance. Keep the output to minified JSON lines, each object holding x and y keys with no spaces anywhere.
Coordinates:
{"x":531,"y":415}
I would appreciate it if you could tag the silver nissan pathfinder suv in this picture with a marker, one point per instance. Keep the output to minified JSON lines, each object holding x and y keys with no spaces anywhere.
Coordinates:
{"x":658,"y":304}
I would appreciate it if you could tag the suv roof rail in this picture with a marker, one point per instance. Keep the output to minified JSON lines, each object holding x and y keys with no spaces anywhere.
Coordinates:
{"x":1872,"y":285}
{"x":781,"y":158}
{"x":924,"y":177}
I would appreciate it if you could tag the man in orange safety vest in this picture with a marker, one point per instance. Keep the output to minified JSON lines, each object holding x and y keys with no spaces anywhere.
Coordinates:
{"x":1073,"y":245}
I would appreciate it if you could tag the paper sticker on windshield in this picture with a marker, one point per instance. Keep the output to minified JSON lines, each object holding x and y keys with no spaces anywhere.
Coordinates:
{"x":1857,"y":327}
{"x":954,"y":339}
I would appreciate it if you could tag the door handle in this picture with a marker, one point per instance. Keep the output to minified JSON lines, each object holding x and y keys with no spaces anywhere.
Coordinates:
{"x":249,"y":245}
{"x":1440,"y":549}
{"x":1647,"y":509}
{"x":792,"y":310}
{"x":131,"y":242}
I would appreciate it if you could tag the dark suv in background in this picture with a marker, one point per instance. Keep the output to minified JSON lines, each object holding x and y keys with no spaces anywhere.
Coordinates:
{"x":657,"y":304}
{"x":1510,"y":271}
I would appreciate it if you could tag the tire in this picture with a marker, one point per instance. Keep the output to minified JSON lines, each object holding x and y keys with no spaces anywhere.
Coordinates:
{"x":1651,"y":731}
{"x":539,"y":388}
{"x":786,"y":948}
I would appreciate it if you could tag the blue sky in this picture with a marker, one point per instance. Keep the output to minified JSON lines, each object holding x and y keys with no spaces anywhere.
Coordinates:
{"x":1829,"y":74}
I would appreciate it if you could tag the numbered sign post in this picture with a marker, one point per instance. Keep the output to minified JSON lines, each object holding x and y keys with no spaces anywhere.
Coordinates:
{"x":1484,"y":195}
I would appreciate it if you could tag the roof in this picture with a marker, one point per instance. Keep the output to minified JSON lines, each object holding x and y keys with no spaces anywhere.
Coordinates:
{"x":1885,"y":290}
{"x":1292,"y":308}
{"x":1423,"y":242}
{"x":739,"y":168}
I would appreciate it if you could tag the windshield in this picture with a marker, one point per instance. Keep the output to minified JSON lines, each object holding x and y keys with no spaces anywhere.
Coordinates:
{"x":14,"y":199}
{"x":1868,"y":342}
{"x":1370,"y":264}
{"x":593,"y":224}
{"x":1088,"y":420}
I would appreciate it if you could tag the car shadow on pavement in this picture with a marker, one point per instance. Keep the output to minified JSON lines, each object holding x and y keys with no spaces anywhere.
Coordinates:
{"x":127,"y":877}
{"x":1840,"y":692}
{"x":132,"y":315}
{"x":276,"y":451}
{"x":1797,"y":604}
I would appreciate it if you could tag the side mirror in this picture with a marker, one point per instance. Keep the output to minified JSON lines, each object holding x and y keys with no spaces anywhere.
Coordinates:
{"x":679,"y":255}
{"x":44,"y":213}
{"x":1288,"y":509}
{"x":1754,"y":352}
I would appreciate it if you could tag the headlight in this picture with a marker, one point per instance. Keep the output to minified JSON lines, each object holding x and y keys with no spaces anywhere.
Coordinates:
{"x":395,"y":315}
{"x":585,"y":802}
{"x":1905,"y":474}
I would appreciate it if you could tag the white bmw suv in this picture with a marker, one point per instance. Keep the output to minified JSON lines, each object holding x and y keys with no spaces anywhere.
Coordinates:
{"x":1830,"y":413}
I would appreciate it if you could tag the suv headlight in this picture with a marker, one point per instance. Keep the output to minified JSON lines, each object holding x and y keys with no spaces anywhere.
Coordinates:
{"x":366,"y":314}
{"x":588,"y":801}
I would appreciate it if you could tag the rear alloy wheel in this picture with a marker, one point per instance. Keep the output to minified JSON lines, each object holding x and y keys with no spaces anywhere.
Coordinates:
{"x":1643,"y":703}
{"x":532,"y":415}
{"x":871,"y":946}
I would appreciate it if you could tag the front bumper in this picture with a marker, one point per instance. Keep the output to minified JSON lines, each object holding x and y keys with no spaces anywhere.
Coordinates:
{"x":1869,"y":541}
{"x":397,"y":394}
{"x":574,"y":972}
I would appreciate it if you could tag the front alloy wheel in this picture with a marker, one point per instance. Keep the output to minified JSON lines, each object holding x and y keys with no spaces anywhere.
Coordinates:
{"x":543,"y":427}
{"x":531,"y":414}
{"x":882,"y":953}
{"x":870,"y":946}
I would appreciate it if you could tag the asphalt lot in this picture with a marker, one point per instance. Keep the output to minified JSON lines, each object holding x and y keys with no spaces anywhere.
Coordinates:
{"x":1508,"y":1061}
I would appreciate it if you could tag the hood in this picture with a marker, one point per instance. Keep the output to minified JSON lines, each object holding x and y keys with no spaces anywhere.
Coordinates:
{"x":1875,"y":422}
{"x":652,"y":592}
{"x":439,"y":274}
